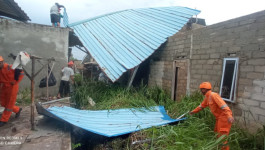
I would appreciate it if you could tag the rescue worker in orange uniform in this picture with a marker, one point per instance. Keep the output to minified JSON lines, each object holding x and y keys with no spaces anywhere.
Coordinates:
{"x":220,"y":110}
{"x":9,"y":81}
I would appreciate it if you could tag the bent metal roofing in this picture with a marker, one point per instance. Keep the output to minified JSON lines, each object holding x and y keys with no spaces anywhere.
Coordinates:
{"x":122,"y":40}
{"x":112,"y":123}
{"x":10,"y":8}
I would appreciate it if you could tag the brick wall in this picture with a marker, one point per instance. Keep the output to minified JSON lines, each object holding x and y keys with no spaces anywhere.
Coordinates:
{"x":206,"y":47}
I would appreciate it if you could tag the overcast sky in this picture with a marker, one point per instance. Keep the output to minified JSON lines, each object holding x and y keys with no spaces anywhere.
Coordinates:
{"x":213,"y":11}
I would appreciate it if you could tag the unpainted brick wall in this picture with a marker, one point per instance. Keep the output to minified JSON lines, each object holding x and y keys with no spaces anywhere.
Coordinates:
{"x":242,"y":37}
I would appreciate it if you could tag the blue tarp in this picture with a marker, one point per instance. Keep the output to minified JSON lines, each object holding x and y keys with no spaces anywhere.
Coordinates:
{"x":113,"y":122}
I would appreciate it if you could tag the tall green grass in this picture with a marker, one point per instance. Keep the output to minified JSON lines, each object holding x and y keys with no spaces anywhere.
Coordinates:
{"x":195,"y":133}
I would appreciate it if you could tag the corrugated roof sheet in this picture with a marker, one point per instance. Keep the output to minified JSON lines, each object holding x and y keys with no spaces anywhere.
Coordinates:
{"x":10,"y":8}
{"x":65,"y":18}
{"x":122,"y":40}
{"x":113,"y":122}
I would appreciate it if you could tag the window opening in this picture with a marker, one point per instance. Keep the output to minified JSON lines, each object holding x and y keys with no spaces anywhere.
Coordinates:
{"x":229,"y":79}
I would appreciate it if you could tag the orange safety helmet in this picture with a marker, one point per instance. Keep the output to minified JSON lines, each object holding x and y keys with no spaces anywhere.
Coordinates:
{"x":71,"y":63}
{"x":206,"y":85}
{"x":1,"y":58}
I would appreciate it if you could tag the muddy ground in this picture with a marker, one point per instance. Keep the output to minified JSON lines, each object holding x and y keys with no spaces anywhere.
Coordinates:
{"x":49,"y":134}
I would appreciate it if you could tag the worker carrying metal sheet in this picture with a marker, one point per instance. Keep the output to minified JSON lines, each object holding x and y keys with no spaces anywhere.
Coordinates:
{"x":10,"y":77}
{"x":220,"y":110}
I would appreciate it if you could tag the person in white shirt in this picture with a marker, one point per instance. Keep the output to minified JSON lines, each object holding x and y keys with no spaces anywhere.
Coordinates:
{"x":68,"y":73}
{"x":55,"y":14}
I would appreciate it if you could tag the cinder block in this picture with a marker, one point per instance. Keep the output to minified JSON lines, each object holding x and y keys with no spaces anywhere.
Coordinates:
{"x":205,"y":56}
{"x":228,"y":43}
{"x":212,"y":72}
{"x":260,"y":68}
{"x":202,"y":61}
{"x":254,"y":75}
{"x":196,"y":76}
{"x":258,"y":54}
{"x":211,"y":61}
{"x":214,"y":55}
{"x":244,"y":81}
{"x":196,"y":56}
{"x":246,"y":95}
{"x":196,"y":66}
{"x":260,"y":83}
{"x":207,"y":66}
{"x":234,"y":49}
{"x":246,"y":68}
{"x":215,"y":44}
{"x":254,"y":89}
{"x":243,"y":107}
{"x":257,"y":110}
{"x":259,"y":97}
{"x":249,"y":102}
{"x":250,"y":47}
{"x":206,"y":77}
{"x":242,"y":41}
{"x":205,"y":46}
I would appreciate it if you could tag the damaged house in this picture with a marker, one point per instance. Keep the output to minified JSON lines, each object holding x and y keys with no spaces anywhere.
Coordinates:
{"x":230,"y":55}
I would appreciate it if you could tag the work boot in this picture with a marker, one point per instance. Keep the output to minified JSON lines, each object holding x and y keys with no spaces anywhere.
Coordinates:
{"x":2,"y":123}
{"x":18,"y":113}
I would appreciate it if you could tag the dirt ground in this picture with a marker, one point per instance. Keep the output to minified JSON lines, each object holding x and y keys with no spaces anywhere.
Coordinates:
{"x":49,"y":134}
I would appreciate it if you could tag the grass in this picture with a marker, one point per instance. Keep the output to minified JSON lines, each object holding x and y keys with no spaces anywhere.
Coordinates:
{"x":24,"y":97}
{"x":194,"y":133}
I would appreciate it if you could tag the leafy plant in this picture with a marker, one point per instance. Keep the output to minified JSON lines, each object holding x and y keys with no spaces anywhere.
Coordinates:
{"x":74,"y":146}
{"x":24,"y":97}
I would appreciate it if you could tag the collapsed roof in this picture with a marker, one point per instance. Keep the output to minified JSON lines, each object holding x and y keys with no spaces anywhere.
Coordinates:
{"x":122,"y":40}
{"x":110,"y":123}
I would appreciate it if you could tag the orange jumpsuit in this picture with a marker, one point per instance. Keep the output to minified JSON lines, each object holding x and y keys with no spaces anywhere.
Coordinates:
{"x":221,"y":112}
{"x":8,"y":91}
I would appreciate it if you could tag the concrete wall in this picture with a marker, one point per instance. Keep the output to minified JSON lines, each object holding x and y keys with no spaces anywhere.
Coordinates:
{"x":39,"y":40}
{"x":206,"y":47}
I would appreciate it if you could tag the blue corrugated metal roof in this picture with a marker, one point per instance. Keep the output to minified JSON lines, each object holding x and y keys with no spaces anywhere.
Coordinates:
{"x":113,"y":122}
{"x":65,"y":18}
{"x":122,"y":40}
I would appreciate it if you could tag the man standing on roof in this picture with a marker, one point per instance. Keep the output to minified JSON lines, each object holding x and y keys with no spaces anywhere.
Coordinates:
{"x":9,"y":81}
{"x":68,"y":73}
{"x":55,"y":14}
{"x":220,"y":110}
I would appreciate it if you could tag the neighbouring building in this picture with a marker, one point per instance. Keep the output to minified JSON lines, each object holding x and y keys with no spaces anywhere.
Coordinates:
{"x":230,"y":55}
{"x":16,"y":35}
{"x":39,"y":40}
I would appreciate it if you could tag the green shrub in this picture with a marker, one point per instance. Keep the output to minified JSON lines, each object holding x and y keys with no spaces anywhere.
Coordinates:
{"x":24,"y":97}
